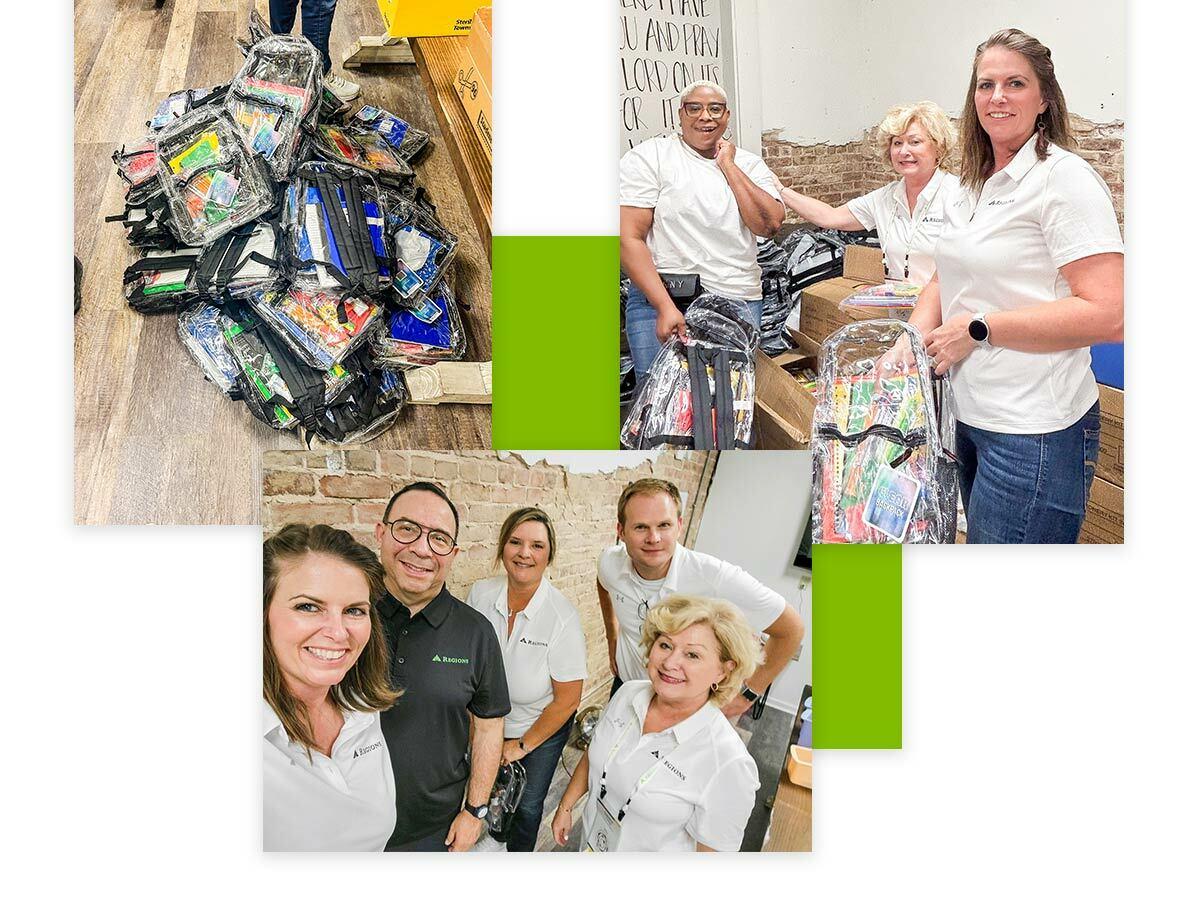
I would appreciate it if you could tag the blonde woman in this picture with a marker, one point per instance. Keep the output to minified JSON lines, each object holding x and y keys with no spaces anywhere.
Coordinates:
{"x":665,"y":770}
{"x":327,"y":776}
{"x":916,"y":141}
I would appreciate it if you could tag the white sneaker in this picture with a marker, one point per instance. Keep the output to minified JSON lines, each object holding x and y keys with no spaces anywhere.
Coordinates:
{"x":341,"y":88}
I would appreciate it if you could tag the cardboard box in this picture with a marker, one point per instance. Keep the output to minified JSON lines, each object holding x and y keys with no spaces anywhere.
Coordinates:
{"x":479,"y":44}
{"x":473,"y":88}
{"x":783,"y":410}
{"x":432,"y":17}
{"x":799,"y":766}
{"x":1111,"y":464}
{"x":819,"y":313}
{"x":1105,"y":519}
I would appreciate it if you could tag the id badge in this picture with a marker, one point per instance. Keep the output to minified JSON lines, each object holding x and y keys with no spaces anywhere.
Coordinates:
{"x":606,"y":831}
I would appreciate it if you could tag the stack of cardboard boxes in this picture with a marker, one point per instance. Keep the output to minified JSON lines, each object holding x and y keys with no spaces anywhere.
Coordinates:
{"x":474,"y":78}
{"x":1105,"y":521}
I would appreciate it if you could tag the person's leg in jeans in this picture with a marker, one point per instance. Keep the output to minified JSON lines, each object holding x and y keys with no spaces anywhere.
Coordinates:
{"x":539,"y":765}
{"x":315,"y":24}
{"x":283,"y":16}
{"x":1032,"y":488}
{"x":640,"y":321}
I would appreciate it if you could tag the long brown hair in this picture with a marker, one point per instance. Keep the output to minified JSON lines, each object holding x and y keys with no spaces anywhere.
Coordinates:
{"x":366,"y":687}
{"x":1054,"y":124}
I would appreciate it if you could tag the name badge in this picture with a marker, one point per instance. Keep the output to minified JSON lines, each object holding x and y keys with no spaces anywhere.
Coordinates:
{"x":606,"y":831}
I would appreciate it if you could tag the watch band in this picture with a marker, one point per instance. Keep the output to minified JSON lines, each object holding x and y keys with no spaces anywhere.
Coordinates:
{"x":479,"y":812}
{"x":750,"y":694}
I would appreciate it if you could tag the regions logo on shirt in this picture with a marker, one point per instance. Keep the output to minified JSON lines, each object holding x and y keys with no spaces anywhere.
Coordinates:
{"x":998,"y":202}
{"x":438,"y":658}
{"x":363,"y":751}
{"x":526,"y":640}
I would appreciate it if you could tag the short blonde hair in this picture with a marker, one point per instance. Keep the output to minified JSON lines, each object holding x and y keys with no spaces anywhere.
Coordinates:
{"x":738,"y":643}
{"x":929,"y":116}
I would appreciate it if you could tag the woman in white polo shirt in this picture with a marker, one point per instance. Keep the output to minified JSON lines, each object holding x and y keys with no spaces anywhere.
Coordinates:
{"x":665,"y":770}
{"x":545,"y":659}
{"x":916,"y":141}
{"x":691,"y":205}
{"x":327,"y":776}
{"x":1029,"y":274}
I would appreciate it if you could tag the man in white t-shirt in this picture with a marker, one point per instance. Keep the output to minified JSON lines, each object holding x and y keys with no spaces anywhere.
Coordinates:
{"x":649,"y":564}
{"x":691,"y":204}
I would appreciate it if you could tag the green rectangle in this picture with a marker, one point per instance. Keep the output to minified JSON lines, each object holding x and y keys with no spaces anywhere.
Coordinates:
{"x":555,"y":357}
{"x":856,"y":623}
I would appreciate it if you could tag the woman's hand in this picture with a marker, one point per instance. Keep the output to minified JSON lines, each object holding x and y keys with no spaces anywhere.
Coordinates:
{"x":511,"y":752}
{"x":950,"y":343}
{"x":561,"y":825}
{"x":778,"y":183}
{"x":898,"y":360}
{"x":670,"y":321}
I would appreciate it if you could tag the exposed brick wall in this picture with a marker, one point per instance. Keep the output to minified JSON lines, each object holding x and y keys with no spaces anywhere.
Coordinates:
{"x":836,"y":173}
{"x":349,"y":488}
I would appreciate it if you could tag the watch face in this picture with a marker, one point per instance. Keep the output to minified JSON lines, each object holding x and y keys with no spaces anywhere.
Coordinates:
{"x":978,"y":329}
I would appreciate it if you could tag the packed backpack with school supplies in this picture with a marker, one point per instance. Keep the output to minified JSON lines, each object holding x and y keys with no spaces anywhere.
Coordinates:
{"x":882,"y":440}
{"x":202,"y":330}
{"x":212,"y":182}
{"x":162,"y":281}
{"x":699,"y":391}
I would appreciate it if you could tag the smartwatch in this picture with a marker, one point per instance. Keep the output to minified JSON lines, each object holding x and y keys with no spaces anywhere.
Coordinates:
{"x":479,"y":812}
{"x":978,"y":329}
{"x":750,"y":694}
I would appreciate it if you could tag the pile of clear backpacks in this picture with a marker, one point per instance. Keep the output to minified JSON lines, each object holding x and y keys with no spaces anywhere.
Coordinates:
{"x":287,"y":231}
{"x":699,"y":391}
{"x":882,"y":440}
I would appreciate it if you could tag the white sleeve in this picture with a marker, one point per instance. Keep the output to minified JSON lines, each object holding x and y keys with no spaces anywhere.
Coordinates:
{"x":568,"y":652}
{"x":761,"y":605}
{"x":639,"y":178}
{"x":473,"y":596}
{"x":758,"y":172}
{"x":1078,"y":219}
{"x":603,"y":575}
{"x":863,"y":208}
{"x":719,"y":819}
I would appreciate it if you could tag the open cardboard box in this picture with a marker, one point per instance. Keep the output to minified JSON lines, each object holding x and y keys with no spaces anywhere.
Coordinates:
{"x":1111,"y":464}
{"x":783,"y":410}
{"x":819,"y":313}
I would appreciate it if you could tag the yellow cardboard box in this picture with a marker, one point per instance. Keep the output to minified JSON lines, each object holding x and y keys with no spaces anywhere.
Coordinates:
{"x":432,"y":17}
{"x":473,"y":86}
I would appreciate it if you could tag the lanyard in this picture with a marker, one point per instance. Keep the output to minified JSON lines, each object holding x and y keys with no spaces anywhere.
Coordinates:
{"x":641,"y":782}
{"x":918,"y":224}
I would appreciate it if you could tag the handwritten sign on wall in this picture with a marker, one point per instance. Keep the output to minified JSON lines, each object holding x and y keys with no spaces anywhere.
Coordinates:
{"x":665,"y":45}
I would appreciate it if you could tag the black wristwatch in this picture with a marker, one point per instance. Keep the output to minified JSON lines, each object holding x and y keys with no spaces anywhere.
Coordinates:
{"x":750,"y":694}
{"x":978,"y":329}
{"x":479,"y":812}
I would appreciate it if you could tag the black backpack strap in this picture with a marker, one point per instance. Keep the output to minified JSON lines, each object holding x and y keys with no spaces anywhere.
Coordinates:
{"x":360,"y":231}
{"x":702,"y":435}
{"x":723,"y":401}
{"x":347,"y":248}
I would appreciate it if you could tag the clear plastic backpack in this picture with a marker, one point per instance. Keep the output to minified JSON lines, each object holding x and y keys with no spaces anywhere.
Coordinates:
{"x":882,"y":440}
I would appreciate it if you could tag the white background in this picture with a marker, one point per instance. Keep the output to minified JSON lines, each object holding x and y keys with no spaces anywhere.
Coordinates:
{"x":1050,"y":693}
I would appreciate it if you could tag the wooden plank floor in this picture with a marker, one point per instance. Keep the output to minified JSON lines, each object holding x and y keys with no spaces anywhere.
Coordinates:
{"x":154,"y":442}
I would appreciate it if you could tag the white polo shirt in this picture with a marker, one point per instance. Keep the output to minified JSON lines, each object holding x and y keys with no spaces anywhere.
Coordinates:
{"x":697,"y":228}
{"x":546,"y":643}
{"x":343,"y":802}
{"x":1002,"y":251}
{"x":901,"y":232}
{"x":692,"y":573}
{"x":702,"y":787}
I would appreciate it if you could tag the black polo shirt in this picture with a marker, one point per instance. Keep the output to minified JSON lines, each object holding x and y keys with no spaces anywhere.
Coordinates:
{"x":448,"y":661}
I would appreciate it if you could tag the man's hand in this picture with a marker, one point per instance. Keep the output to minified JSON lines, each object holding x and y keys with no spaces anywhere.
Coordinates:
{"x":670,"y":321}
{"x":725,"y":153}
{"x":512,"y":751}
{"x":464,"y":832}
{"x":734,"y":709}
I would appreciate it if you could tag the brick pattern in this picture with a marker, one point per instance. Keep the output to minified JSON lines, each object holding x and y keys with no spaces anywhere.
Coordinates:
{"x":836,"y":173}
{"x":349,"y":489}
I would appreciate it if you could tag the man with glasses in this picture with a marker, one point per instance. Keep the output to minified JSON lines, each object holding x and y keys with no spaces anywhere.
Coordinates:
{"x":691,"y":205}
{"x":446,"y":658}
{"x":649,"y":565}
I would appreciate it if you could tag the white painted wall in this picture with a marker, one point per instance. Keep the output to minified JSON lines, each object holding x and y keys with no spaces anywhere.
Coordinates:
{"x":827,"y":71}
{"x":755,"y":515}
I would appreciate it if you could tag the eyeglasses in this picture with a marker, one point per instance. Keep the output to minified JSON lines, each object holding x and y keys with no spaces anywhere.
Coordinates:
{"x":405,"y":531}
{"x":716,"y":110}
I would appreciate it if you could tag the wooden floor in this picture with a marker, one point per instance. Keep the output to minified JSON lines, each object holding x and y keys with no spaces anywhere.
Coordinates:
{"x":155,"y":442}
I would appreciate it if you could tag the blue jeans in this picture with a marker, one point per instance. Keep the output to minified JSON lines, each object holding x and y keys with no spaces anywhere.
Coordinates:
{"x":1027,"y":488}
{"x":539,"y":765}
{"x":640,"y":319}
{"x":316,"y":19}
